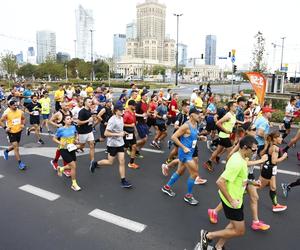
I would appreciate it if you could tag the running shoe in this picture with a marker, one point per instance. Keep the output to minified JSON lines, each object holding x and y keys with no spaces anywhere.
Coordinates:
{"x":22,"y":166}
{"x":40,"y":141}
{"x":203,"y":240}
{"x":126,"y":184}
{"x":75,"y":187}
{"x":27,"y":131}
{"x":54,"y":164}
{"x":67,"y":172}
{"x":208,"y":166}
{"x":165,"y":169}
{"x":285,"y":189}
{"x":59,"y":171}
{"x":298,"y":156}
{"x":138,"y":155}
{"x":213,"y":216}
{"x":93,"y":166}
{"x":133,"y":165}
{"x":189,"y":198}
{"x":168,"y":161}
{"x":199,"y":181}
{"x":260,"y":225}
{"x":5,"y":154}
{"x":218,"y":159}
{"x":170,"y":143}
{"x":50,"y":132}
{"x":154,"y":144}
{"x":167,"y":190}
{"x":208,"y":144}
{"x":279,"y":208}
{"x":223,"y":162}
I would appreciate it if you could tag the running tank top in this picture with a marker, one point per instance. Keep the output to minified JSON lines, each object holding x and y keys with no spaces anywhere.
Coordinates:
{"x":14,"y":120}
{"x":191,"y":140}
{"x":228,"y":125}
{"x":63,"y":117}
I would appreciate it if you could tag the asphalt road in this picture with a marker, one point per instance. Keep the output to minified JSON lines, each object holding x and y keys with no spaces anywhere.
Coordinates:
{"x":32,"y":222}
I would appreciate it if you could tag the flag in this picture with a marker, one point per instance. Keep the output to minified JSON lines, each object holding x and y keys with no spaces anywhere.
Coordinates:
{"x":259,"y":84}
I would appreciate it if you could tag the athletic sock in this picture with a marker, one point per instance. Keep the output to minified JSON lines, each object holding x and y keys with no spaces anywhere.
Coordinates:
{"x":57,"y":155}
{"x":131,"y":160}
{"x":284,"y":135}
{"x":173,"y":179}
{"x":286,"y":149}
{"x":19,"y":161}
{"x":294,"y":184}
{"x":97,"y":140}
{"x":137,"y":152}
{"x":74,"y":182}
{"x":190,"y":184}
{"x":273,"y":197}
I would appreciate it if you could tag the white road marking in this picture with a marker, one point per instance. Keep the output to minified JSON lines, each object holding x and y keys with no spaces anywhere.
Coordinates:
{"x":39,"y":192}
{"x":283,"y":171}
{"x":153,"y":150}
{"x":48,"y":152}
{"x":117,"y":220}
{"x":1,"y":176}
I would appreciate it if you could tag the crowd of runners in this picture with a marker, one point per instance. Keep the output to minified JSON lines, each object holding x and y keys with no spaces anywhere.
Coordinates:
{"x":240,"y":130}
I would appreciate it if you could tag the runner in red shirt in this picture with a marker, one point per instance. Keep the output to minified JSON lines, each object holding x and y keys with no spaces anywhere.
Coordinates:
{"x":129,"y":138}
{"x":173,"y":110}
{"x":151,"y":111}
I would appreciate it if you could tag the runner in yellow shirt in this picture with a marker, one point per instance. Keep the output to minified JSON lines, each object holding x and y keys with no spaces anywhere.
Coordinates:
{"x":13,"y":121}
{"x":59,"y":96}
{"x":46,"y":110}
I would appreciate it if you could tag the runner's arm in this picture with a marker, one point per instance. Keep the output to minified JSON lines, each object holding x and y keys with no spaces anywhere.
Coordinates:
{"x":180,"y":132}
{"x":219,"y":123}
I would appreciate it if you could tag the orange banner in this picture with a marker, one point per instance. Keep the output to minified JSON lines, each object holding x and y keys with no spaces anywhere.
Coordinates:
{"x":259,"y":84}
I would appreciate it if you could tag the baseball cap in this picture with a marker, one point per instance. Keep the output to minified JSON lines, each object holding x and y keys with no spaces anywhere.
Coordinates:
{"x":119,"y":107}
{"x":122,"y":96}
{"x":102,"y":98}
{"x":267,"y":110}
{"x":12,"y":102}
{"x":131,"y":102}
{"x":195,"y":89}
{"x":193,"y":110}
{"x":145,"y":92}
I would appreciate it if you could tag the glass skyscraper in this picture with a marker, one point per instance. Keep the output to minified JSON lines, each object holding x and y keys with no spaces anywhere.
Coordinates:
{"x":119,"y":46}
{"x":210,"y":50}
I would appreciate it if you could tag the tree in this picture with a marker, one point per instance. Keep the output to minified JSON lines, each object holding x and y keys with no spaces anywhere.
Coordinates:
{"x":159,"y":70}
{"x":258,"y":61}
{"x":9,"y":63}
{"x":101,"y":69}
{"x":27,"y":70}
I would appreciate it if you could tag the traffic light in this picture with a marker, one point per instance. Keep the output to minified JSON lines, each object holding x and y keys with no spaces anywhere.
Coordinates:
{"x":234,"y":68}
{"x":233,"y":52}
{"x":201,"y":56}
{"x":229,"y":54}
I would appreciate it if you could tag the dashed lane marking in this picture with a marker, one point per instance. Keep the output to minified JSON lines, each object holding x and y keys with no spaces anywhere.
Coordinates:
{"x":118,"y":220}
{"x":40,"y":192}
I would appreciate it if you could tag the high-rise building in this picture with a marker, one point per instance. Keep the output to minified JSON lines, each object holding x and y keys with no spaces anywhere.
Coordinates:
{"x":210,"y":50}
{"x":46,"y":45}
{"x":62,"y":57}
{"x":19,"y":57}
{"x":182,"y":54}
{"x":84,"y":25}
{"x":119,"y":46}
{"x":131,"y":30}
{"x":151,"y":42}
{"x":31,"y":55}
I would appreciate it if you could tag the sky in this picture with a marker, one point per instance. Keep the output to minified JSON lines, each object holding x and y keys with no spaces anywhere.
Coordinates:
{"x":234,"y":22}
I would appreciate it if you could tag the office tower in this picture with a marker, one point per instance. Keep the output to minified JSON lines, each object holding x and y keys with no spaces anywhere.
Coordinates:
{"x":210,"y":50}
{"x":46,"y":45}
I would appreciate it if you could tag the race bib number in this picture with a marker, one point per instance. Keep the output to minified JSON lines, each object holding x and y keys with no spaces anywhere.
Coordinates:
{"x":194,"y":143}
{"x":71,"y":147}
{"x":274,"y":170}
{"x":35,"y":112}
{"x":46,"y":105}
{"x":164,"y":116}
{"x":129,"y":136}
{"x":16,"y":121}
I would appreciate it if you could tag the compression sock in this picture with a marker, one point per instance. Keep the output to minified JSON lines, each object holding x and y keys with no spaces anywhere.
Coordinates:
{"x":131,"y":160}
{"x":173,"y":179}
{"x":273,"y":197}
{"x":190,"y":184}
{"x":286,"y":149}
{"x":294,"y":184}
{"x":57,"y":155}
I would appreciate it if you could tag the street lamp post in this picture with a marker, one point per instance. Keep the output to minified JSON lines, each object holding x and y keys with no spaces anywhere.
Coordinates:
{"x":92,"y":59}
{"x":282,"y":47}
{"x":66,"y":70}
{"x":176,"y":78}
{"x":75,"y":54}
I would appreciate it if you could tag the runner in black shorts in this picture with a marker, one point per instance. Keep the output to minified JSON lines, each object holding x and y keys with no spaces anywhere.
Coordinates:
{"x":115,"y":145}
